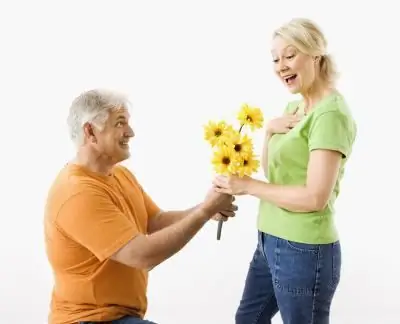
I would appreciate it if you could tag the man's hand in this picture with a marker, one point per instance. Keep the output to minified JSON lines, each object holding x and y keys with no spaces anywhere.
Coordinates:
{"x":218,"y":205}
{"x":224,"y":215}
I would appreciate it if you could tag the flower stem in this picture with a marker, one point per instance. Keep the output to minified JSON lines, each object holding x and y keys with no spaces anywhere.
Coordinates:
{"x":240,"y":129}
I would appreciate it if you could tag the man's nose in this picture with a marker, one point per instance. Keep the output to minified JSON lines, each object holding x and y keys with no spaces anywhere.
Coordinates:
{"x":129,"y":132}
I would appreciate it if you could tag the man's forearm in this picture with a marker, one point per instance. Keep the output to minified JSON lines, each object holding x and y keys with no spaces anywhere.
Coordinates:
{"x":165,"y":243}
{"x":165,"y":219}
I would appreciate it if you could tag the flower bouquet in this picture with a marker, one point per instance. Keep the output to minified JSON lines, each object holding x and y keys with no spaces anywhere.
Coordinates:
{"x":233,"y":150}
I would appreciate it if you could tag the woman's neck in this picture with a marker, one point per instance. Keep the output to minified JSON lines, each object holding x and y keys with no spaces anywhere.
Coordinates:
{"x":314,"y":95}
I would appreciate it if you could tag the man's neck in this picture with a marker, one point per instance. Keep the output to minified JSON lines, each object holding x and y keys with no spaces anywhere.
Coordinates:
{"x":93,"y":162}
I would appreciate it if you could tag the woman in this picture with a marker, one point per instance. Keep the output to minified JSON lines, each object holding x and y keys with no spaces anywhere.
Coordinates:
{"x":296,"y":265}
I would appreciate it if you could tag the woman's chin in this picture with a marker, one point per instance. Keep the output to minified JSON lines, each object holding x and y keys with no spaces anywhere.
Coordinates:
{"x":294,"y":90}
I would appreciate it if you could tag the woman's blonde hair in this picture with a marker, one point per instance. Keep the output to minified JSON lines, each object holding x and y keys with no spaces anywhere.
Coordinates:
{"x":308,"y":38}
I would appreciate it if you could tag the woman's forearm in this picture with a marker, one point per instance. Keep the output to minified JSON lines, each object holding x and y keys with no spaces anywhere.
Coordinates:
{"x":293,"y":198}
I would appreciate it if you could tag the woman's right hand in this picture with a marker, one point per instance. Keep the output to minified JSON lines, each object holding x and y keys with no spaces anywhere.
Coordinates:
{"x":283,"y":124}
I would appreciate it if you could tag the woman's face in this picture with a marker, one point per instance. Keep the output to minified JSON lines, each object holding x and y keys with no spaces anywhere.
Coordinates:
{"x":295,"y":69}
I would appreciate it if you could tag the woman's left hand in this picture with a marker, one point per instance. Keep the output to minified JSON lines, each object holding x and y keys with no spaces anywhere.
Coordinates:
{"x":232,"y":185}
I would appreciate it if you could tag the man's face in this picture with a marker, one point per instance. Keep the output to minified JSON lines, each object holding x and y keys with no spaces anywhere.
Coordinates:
{"x":112,"y":143}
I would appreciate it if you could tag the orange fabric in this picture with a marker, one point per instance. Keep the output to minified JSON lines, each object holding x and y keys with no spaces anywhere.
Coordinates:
{"x":87,"y":219}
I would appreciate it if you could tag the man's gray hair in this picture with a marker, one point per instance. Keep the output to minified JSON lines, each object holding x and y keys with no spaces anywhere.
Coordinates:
{"x":94,"y":107}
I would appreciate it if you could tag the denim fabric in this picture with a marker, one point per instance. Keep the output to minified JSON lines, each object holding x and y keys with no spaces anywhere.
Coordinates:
{"x":123,"y":320}
{"x":298,"y":280}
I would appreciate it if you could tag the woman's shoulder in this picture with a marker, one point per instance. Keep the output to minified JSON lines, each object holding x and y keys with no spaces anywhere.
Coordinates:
{"x":336,"y":103}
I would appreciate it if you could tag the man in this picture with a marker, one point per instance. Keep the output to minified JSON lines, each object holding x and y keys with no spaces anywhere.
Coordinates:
{"x":103,"y":231}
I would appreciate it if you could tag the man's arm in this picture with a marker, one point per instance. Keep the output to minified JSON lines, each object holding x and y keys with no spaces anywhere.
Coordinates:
{"x":91,"y":219}
{"x":147,"y":251}
{"x":166,"y":218}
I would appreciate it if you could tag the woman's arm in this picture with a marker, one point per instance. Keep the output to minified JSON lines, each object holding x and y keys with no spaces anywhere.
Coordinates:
{"x":331,"y":137}
{"x":322,"y":174}
{"x":323,"y":170}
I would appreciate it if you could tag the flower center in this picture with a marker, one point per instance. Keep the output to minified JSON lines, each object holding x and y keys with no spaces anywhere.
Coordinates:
{"x":218,"y":132}
{"x":245,"y":162}
{"x":248,"y":118}
{"x":238,"y":147}
{"x":226,"y":160}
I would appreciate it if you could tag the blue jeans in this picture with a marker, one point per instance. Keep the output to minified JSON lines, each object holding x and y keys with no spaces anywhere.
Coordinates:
{"x":123,"y":320}
{"x":298,"y":280}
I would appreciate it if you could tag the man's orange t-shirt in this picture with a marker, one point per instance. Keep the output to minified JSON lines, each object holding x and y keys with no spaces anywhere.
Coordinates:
{"x":89,"y":217}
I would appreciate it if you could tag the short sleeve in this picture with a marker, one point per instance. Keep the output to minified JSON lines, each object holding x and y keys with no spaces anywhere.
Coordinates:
{"x":152,"y":208}
{"x":92,"y":219}
{"x":331,"y":130}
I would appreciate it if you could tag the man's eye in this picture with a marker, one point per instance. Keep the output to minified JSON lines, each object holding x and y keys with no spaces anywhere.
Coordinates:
{"x":119,"y":124}
{"x":290,"y":57}
{"x":275,"y":60}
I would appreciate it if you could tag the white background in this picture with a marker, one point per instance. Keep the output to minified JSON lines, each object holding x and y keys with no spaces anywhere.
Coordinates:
{"x":183,"y":63}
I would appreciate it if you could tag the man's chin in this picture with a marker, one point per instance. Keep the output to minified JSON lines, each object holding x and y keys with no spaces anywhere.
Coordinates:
{"x":122,"y":156}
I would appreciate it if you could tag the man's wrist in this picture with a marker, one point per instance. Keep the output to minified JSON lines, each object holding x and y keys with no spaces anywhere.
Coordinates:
{"x":203,"y":213}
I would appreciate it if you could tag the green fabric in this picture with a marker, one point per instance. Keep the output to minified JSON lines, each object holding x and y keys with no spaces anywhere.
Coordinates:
{"x":328,"y":126}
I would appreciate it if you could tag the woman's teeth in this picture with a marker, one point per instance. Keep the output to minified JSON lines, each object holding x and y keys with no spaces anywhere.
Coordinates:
{"x":289,"y":79}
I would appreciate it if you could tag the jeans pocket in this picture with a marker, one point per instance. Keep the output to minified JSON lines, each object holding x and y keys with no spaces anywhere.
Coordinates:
{"x":294,"y":267}
{"x":303,"y":247}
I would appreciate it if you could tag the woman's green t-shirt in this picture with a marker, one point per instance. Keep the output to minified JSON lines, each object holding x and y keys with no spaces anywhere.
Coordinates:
{"x":329,"y":125}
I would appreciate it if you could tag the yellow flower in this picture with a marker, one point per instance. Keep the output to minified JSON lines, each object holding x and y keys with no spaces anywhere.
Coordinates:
{"x":224,"y":160}
{"x":217,"y":133}
{"x":240,"y":143}
{"x":251,"y":117}
{"x":247,"y":165}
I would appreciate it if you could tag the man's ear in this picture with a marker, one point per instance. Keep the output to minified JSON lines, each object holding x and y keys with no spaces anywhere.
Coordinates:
{"x":89,"y":133}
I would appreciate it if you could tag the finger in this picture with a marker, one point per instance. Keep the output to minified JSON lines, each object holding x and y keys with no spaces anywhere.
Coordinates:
{"x":227,"y":213}
{"x":232,"y":207}
{"x":223,"y":190}
{"x":222,"y":179}
{"x":217,"y":183}
{"x":293,"y":118}
{"x":220,"y":217}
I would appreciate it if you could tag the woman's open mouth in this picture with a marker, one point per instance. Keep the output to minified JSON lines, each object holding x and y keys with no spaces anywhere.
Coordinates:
{"x":289,"y":79}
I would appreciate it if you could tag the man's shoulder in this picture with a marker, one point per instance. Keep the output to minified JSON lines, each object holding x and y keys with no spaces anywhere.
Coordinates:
{"x":123,"y":174}
{"x":72,"y":179}
{"x":70,"y":182}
